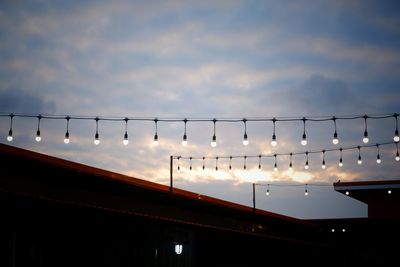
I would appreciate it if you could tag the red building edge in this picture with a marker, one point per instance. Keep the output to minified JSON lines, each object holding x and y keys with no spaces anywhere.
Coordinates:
{"x":382,"y":197}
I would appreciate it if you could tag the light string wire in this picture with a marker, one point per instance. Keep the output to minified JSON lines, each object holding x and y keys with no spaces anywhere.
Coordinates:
{"x":186,"y":120}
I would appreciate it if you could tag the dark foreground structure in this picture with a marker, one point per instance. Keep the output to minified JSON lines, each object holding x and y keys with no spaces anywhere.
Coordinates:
{"x":59,"y":213}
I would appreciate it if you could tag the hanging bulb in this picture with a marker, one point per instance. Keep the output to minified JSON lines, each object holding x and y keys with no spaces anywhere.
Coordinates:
{"x":397,"y":158}
{"x":290,"y":164}
{"x":204,"y":165}
{"x":323,"y":160}
{"x":359,"y":161}
{"x":335,"y":139}
{"x":214,"y":138}
{"x":396,"y":137}
{"x":10,"y":132}
{"x":267,"y":193}
{"x":216,"y":164}
{"x":275,"y":164}
{"x":66,"y":138}
{"x":304,"y":137}
{"x":273,"y":141}
{"x":389,"y":191}
{"x":341,"y":159}
{"x":259,"y":162}
{"x":126,"y":140}
{"x":190,"y":167}
{"x":184,"y":140}
{"x":306,"y":165}
{"x":244,"y":164}
{"x":10,"y":136}
{"x":245,"y":140}
{"x":378,"y":157}
{"x":38,"y":138}
{"x":96,"y":139}
{"x":306,"y":191}
{"x":155,"y":140}
{"x":365,"y":139}
{"x":347,"y":193}
{"x":214,"y":141}
{"x":304,"y":140}
{"x":230,"y":164}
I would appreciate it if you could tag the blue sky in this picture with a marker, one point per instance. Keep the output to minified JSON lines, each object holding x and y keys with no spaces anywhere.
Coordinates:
{"x":207,"y":59}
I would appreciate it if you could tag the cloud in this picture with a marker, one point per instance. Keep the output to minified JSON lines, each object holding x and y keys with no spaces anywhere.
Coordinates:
{"x":20,"y":101}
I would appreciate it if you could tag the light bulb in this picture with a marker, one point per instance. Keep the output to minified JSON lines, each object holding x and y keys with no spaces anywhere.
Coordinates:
{"x":335,"y":141}
{"x":303,"y":142}
{"x":184,"y":140}
{"x":306,"y":166}
{"x":245,"y":140}
{"x":378,"y":160}
{"x":323,"y":166}
{"x":340,"y":164}
{"x":397,"y":158}
{"x":347,"y":193}
{"x":66,"y":138}
{"x":155,"y":140}
{"x":125,"y":141}
{"x":306,"y":193}
{"x":396,"y":137}
{"x":359,"y":161}
{"x":96,"y":139}
{"x":365,"y":140}
{"x":214,"y":141}
{"x":267,"y":193}
{"x":389,"y":191}
{"x":38,"y":138}
{"x":9,"y":137}
{"x":290,"y":168}
{"x":274,"y":142}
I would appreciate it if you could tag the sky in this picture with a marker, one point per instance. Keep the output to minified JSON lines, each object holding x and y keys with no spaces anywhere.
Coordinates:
{"x":208,"y":59}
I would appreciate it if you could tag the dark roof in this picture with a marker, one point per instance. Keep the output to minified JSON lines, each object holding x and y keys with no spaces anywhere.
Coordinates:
{"x":108,"y":190}
{"x":360,"y":189}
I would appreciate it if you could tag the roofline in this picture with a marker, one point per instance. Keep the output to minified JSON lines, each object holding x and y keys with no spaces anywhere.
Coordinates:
{"x":366,"y":183}
{"x":133,"y":181}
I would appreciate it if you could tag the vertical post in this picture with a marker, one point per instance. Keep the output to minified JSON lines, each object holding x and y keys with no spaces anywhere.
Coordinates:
{"x":171,"y":172}
{"x":254,"y":198}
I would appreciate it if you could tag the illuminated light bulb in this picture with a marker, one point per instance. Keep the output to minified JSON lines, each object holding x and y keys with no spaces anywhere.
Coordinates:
{"x":340,"y":164}
{"x":343,"y":230}
{"x":38,"y":138}
{"x":178,"y":249}
{"x":274,"y":142}
{"x":335,"y":141}
{"x":275,"y":167}
{"x":155,"y":140}
{"x":66,"y":138}
{"x":365,"y":139}
{"x":10,"y":136}
{"x":359,"y":161}
{"x":125,"y":141}
{"x":397,"y":158}
{"x":389,"y":191}
{"x":378,"y":159}
{"x":306,"y":193}
{"x":184,"y":140}
{"x":245,"y":140}
{"x":214,"y":141}
{"x":333,"y":230}
{"x":323,"y":165}
{"x":290,"y":167}
{"x":347,"y":193}
{"x":396,"y":137}
{"x":306,"y":166}
{"x":96,"y":139}
{"x":304,"y":140}
{"x":267,"y":193}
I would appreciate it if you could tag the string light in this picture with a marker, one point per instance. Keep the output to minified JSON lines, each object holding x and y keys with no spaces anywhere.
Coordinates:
{"x":190,"y":166}
{"x":155,"y":140}
{"x":245,"y":140}
{"x":304,"y":140}
{"x":306,"y":165}
{"x":10,"y":132}
{"x":365,"y":139}
{"x":347,"y":193}
{"x":267,"y":193}
{"x":335,"y":139}
{"x":216,"y":163}
{"x":378,"y":157}
{"x":306,"y":191}
{"x":291,"y":154}
{"x":273,"y":141}
{"x":397,"y":158}
{"x":96,"y":136}
{"x":389,"y":191}
{"x":38,"y":138}
{"x":396,"y":137}
{"x":341,"y":158}
{"x":304,"y":137}
{"x":214,"y":138}
{"x":66,"y":138}
{"x":126,"y":140}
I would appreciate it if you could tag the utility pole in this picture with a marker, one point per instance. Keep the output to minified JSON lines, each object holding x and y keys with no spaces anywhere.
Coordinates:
{"x":171,"y":172}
